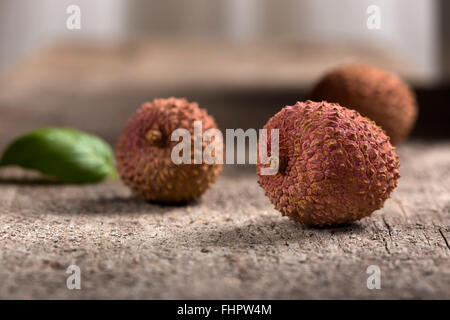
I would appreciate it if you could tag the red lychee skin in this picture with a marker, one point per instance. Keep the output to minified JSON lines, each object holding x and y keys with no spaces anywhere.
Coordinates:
{"x":375,"y":93}
{"x":335,"y":165}
{"x":143,"y":152}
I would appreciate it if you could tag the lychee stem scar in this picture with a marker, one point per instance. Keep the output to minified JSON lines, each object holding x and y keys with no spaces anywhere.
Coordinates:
{"x":153,"y":136}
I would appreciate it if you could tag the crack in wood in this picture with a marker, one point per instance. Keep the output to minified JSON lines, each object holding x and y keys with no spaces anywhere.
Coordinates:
{"x":389,"y":229}
{"x":445,"y":239}
{"x":387,"y":226}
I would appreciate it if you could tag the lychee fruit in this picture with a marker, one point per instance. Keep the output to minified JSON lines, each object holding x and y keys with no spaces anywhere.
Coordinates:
{"x":335,"y":165}
{"x":373,"y":92}
{"x":143,"y":152}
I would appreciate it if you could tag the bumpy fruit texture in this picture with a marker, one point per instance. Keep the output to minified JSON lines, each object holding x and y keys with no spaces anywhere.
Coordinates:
{"x":373,"y":92}
{"x":144,"y":150}
{"x":335,"y":165}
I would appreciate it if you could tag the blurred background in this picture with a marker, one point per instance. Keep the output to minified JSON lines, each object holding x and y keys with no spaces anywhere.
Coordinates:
{"x":243,"y":60}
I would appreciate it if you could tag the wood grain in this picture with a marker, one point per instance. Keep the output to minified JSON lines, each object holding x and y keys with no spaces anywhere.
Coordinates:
{"x":231,"y":244}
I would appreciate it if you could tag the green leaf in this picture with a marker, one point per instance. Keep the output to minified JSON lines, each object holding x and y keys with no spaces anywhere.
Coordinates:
{"x":67,"y":154}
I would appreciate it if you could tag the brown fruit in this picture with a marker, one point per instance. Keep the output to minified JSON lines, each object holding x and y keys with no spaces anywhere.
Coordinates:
{"x":373,"y":92}
{"x":335,"y":165}
{"x":144,"y":150}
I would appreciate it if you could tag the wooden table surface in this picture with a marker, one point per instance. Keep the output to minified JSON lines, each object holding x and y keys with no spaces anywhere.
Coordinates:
{"x":230,"y":244}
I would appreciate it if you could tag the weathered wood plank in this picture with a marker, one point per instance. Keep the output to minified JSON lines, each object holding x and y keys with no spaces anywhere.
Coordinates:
{"x":231,"y":244}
